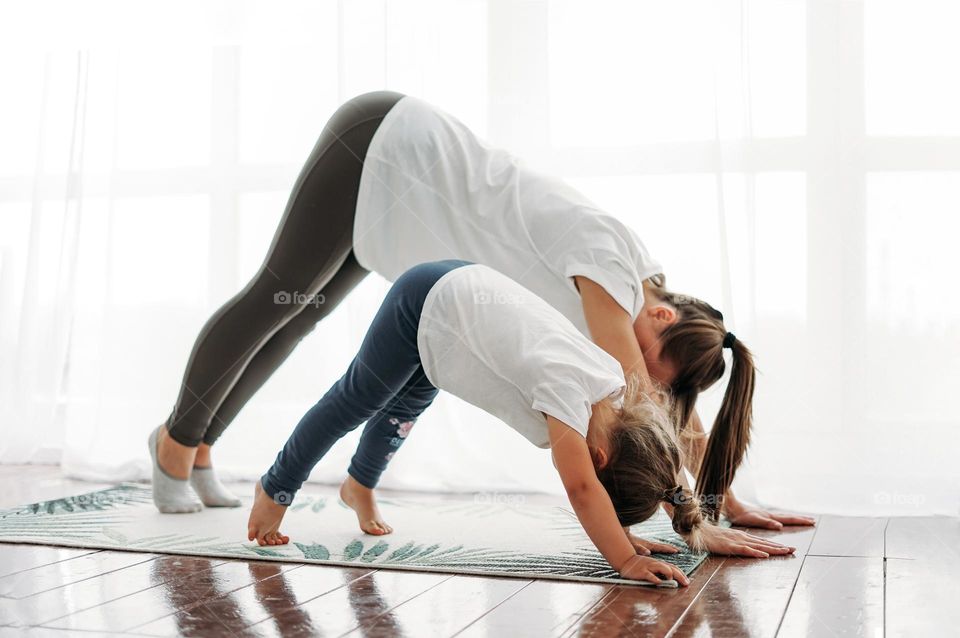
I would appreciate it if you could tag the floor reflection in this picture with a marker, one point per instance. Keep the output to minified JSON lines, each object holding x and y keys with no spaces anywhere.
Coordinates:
{"x":278,"y":599}
{"x":639,"y":611}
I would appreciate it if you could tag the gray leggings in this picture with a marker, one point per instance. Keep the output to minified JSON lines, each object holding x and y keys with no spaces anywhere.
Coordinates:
{"x":248,"y":338}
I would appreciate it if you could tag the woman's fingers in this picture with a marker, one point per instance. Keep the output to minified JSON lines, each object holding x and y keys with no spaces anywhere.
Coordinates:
{"x":746,"y":550}
{"x":771,"y":547}
{"x":766,"y":543}
{"x":793,"y":519}
{"x":771,"y":523}
{"x":778,"y":550}
{"x":750,"y":538}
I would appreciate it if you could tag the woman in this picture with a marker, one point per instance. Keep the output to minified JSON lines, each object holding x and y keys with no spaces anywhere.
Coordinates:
{"x":394,"y":182}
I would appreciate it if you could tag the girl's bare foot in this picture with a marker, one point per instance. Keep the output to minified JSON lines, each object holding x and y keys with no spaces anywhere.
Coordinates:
{"x":264,"y":522}
{"x":362,"y":501}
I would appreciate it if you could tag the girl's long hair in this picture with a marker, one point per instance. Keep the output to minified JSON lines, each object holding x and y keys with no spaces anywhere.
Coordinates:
{"x":695,"y":345}
{"x":645,"y":464}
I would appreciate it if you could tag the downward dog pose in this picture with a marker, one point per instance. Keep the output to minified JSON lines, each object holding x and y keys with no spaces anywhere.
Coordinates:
{"x":523,"y":362}
{"x":394,"y":182}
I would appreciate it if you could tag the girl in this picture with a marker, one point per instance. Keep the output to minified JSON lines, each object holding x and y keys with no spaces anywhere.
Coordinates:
{"x":472,"y":331}
{"x":393,"y":182}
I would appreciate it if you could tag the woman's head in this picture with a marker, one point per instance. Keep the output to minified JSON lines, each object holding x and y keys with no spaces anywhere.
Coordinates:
{"x":683,"y":339}
{"x":642,"y":463}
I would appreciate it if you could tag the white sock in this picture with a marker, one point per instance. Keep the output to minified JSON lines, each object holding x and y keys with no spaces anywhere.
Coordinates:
{"x":171,"y":495}
{"x":212,"y":492}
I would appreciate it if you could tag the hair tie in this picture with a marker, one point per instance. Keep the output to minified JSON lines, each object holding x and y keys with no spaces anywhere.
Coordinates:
{"x":728,"y":340}
{"x":670,"y":495}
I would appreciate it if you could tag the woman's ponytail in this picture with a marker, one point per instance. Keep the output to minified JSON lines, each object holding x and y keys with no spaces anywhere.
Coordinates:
{"x":730,"y":434}
{"x":695,"y":344}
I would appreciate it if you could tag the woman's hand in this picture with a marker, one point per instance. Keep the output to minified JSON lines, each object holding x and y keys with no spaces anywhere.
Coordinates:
{"x":645,"y":547}
{"x":744,"y":515}
{"x":645,"y":568}
{"x":733,"y":542}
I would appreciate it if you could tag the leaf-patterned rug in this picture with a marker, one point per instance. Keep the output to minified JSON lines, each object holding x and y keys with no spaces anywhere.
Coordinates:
{"x":480,"y":537}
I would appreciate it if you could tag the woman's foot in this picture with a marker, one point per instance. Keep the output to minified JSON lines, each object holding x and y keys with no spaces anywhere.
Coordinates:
{"x":263,"y":525}
{"x":171,"y":491}
{"x":204,"y":481}
{"x":362,"y":501}
{"x":174,"y":458}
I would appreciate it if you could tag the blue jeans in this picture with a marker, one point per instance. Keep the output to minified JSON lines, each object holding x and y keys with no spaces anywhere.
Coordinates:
{"x":385,"y":385}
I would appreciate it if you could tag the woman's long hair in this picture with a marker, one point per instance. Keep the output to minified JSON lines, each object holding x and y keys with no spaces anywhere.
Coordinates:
{"x":695,"y":345}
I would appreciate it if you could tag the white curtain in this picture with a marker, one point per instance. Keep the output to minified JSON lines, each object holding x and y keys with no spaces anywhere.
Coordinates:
{"x":795,"y":163}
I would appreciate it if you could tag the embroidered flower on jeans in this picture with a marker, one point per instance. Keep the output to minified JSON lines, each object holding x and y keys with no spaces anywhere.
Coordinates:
{"x":404,"y":429}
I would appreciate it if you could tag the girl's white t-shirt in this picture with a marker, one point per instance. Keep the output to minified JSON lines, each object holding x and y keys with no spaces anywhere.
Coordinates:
{"x":430,"y":190}
{"x":495,"y":344}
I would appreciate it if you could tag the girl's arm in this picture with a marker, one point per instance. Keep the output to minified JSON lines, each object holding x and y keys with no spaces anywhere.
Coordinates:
{"x":593,"y":508}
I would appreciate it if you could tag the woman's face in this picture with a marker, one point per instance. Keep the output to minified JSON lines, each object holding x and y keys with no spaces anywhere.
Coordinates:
{"x":654,"y":318}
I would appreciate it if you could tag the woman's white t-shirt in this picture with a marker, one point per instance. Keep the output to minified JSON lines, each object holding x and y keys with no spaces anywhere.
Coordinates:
{"x":495,"y":344}
{"x":431,"y":190}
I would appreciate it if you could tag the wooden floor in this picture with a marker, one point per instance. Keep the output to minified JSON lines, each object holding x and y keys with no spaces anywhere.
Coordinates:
{"x":851,"y":576}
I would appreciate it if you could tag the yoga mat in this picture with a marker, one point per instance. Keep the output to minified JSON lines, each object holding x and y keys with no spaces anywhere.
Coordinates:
{"x":472,"y":537}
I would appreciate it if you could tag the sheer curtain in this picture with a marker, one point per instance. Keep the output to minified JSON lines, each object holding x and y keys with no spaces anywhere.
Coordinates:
{"x":795,"y":163}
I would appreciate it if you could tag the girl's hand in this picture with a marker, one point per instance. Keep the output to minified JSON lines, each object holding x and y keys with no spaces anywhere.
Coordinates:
{"x":744,"y":516}
{"x":645,"y":547}
{"x":645,"y":568}
{"x":733,"y":542}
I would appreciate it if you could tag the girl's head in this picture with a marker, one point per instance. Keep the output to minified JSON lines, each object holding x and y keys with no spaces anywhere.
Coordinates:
{"x":640,"y":465}
{"x":683,"y":339}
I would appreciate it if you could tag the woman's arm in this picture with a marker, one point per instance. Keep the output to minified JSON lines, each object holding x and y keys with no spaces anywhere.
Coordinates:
{"x":611,"y":327}
{"x":593,"y":508}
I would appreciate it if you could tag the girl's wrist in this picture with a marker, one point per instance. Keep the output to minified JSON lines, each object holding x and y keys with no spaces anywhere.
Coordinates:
{"x":626,"y":563}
